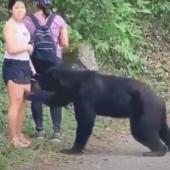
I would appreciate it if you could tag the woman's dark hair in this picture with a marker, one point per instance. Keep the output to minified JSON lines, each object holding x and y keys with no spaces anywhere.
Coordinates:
{"x":11,"y":3}
{"x":45,"y":8}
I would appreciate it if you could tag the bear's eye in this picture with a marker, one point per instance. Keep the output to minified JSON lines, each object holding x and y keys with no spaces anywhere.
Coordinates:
{"x":54,"y":77}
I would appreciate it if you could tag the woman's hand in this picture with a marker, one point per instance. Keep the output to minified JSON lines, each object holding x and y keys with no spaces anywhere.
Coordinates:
{"x":30,"y":48}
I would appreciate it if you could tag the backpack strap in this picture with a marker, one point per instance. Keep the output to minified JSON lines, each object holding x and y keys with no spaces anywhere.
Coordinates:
{"x":34,"y":20}
{"x":50,"y":20}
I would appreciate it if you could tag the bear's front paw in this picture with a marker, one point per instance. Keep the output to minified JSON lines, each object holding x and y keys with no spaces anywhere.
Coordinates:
{"x":26,"y":94}
{"x":72,"y":151}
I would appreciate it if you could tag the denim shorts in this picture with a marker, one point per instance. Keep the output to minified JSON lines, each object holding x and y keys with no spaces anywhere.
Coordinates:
{"x":16,"y":70}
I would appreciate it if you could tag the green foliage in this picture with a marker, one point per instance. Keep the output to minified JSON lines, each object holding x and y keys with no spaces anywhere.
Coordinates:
{"x":110,"y":26}
{"x":113,"y":27}
{"x":3,"y":97}
{"x":161,"y":11}
{"x":3,"y":163}
{"x":3,"y":10}
{"x":74,"y":35}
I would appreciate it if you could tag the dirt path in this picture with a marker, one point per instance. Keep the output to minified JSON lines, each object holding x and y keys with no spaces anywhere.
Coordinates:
{"x":106,"y":150}
{"x":116,"y":152}
{"x":123,"y":153}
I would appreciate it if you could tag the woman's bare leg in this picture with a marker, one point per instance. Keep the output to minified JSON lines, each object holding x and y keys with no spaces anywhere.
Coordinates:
{"x":21,"y":117}
{"x":15,"y":101}
{"x":15,"y":113}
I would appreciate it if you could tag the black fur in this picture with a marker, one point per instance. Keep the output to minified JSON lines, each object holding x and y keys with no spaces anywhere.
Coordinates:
{"x":95,"y":94}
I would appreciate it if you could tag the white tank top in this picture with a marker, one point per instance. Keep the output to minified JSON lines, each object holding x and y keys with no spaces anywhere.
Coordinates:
{"x":22,"y":37}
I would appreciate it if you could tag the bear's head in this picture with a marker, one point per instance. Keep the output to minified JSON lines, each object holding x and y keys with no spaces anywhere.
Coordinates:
{"x":58,"y":79}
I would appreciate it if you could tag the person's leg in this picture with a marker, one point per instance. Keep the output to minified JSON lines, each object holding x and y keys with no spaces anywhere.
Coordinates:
{"x":37,"y":115}
{"x":56,"y":116}
{"x":37,"y":111}
{"x":15,"y":95}
{"x":21,"y":118}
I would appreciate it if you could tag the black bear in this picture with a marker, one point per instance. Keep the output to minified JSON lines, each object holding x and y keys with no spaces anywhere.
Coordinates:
{"x":94,"y":94}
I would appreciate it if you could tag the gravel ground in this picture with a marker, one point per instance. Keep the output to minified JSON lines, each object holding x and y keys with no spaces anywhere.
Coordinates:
{"x":124,"y":153}
{"x":114,"y":152}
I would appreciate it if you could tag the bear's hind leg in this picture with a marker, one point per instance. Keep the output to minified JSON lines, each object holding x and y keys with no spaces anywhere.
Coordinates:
{"x":148,"y":136}
{"x":156,"y":146}
{"x":165,"y":135}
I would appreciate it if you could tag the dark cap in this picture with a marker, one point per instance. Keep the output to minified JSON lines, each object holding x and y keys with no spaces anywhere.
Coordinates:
{"x":43,"y":2}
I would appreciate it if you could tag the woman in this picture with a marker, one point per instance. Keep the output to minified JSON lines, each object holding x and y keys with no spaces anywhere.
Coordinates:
{"x":16,"y":70}
{"x":60,"y":35}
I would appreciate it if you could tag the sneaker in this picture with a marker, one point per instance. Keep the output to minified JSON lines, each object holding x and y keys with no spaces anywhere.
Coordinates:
{"x":57,"y":137}
{"x":40,"y":134}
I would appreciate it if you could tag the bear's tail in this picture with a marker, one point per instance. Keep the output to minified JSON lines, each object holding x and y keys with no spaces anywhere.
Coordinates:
{"x":165,"y":130}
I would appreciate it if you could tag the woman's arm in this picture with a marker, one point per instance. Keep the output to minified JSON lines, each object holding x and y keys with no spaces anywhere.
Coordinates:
{"x":63,"y":38}
{"x":9,"y":35}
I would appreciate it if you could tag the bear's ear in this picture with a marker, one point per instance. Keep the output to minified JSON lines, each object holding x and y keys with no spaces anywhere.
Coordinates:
{"x":66,"y":78}
{"x":67,"y":82}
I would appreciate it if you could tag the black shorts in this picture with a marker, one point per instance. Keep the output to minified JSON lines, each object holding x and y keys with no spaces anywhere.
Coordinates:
{"x":16,"y":70}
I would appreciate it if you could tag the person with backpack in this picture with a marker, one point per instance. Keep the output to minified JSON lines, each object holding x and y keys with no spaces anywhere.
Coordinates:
{"x":48,"y":35}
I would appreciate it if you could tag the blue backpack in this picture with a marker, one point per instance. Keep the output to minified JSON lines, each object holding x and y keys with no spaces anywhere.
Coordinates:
{"x":44,"y":55}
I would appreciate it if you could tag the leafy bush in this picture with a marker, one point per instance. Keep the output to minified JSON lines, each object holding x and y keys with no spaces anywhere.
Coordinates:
{"x":114,"y":28}
{"x":110,"y":26}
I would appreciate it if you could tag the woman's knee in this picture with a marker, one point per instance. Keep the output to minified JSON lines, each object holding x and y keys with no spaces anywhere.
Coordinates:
{"x":16,"y":100}
{"x":16,"y":94}
{"x":16,"y":103}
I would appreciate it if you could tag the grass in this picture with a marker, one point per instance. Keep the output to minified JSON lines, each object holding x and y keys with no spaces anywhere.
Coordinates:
{"x":11,"y":157}
{"x":40,"y":150}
